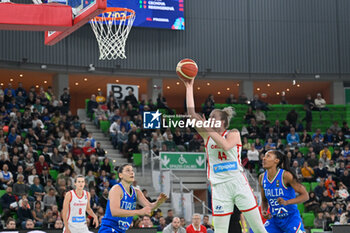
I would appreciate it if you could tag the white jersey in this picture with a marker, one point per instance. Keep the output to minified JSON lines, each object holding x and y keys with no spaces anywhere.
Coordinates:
{"x":77,"y":211}
{"x":223,"y":165}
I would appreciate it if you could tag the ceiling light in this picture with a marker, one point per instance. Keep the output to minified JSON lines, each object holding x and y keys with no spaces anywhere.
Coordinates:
{"x":98,"y":89}
{"x":138,"y":86}
{"x":45,"y":81}
{"x":168,"y":87}
{"x":117,"y":81}
{"x":228,"y":88}
{"x":287,"y":89}
{"x":208,"y":84}
{"x":85,"y":79}
{"x":298,"y":85}
{"x":177,"y":83}
{"x":198,"y":88}
{"x":258,"y":89}
{"x":21,"y":75}
{"x":11,"y":79}
{"x":277,"y":93}
{"x":268,"y":84}
{"x":1,"y":84}
{"x":219,"y":92}
{"x":76,"y":84}
{"x":237,"y":84}
{"x":37,"y":86}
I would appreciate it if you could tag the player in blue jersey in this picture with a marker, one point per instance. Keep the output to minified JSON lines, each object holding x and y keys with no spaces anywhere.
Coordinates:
{"x":121,"y":204}
{"x":278,"y":186}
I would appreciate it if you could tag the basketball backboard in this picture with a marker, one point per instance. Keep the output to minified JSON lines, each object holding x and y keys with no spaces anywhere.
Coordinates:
{"x":83,"y":11}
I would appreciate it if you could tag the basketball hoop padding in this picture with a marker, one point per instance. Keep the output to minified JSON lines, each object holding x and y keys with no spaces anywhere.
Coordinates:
{"x":32,"y":17}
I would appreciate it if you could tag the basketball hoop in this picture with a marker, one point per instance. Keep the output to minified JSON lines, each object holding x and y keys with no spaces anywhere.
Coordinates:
{"x":111,"y":29}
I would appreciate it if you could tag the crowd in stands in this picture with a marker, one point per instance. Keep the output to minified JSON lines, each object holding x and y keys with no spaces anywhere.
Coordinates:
{"x":39,"y":135}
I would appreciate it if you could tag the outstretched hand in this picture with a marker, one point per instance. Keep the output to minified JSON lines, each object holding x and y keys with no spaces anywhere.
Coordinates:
{"x":162,"y":198}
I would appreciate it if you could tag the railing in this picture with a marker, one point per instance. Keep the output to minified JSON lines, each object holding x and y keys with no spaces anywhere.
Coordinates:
{"x":155,"y":157}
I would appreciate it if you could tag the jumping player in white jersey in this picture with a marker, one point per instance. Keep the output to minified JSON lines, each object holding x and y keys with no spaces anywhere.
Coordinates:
{"x":75,"y":206}
{"x":229,"y":185}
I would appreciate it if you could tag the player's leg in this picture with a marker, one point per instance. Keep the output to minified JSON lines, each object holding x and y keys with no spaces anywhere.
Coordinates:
{"x":105,"y":229}
{"x":246,"y":203}
{"x":222,"y":207}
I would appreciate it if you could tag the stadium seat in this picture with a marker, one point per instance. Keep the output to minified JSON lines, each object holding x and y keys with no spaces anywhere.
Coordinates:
{"x":313,"y":185}
{"x":104,"y":125}
{"x":53,"y":174}
{"x":137,"y":159}
{"x":301,"y":207}
{"x":304,"y":150}
{"x":317,"y":230}
{"x":307,"y":186}
{"x":308,"y":219}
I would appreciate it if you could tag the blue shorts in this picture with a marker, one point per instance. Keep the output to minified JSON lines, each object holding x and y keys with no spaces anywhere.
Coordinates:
{"x":290,"y":224}
{"x":108,"y":229}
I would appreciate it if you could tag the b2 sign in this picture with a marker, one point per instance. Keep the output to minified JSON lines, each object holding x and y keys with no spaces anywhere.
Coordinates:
{"x":121,"y":90}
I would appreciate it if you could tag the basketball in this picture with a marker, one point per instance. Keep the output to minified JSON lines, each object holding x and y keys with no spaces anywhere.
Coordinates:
{"x":187,"y":69}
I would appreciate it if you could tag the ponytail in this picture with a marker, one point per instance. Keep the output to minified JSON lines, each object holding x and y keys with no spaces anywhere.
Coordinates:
{"x":284,"y":162}
{"x":226,"y":115}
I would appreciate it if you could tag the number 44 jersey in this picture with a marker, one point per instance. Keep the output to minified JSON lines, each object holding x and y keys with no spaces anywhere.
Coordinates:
{"x":223,"y":165}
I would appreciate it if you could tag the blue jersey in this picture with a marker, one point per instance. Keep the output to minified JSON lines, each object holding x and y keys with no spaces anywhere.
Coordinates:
{"x":127,"y":202}
{"x":275,"y":189}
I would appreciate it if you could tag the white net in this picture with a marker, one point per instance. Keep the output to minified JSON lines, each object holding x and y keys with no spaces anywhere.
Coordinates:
{"x":111,"y":30}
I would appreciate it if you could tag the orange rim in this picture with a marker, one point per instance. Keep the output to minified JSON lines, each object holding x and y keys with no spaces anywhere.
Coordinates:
{"x":116,"y":9}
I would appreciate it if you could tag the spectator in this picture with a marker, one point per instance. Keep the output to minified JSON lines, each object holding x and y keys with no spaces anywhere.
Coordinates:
{"x":307,"y":118}
{"x":320,"y":103}
{"x":50,"y":198}
{"x":206,"y":223}
{"x":162,"y":224}
{"x":320,"y":220}
{"x":345,"y":178}
{"x":174,"y":226}
{"x":10,"y":224}
{"x":253,"y":129}
{"x":92,"y":104}
{"x":231,"y":99}
{"x":6,"y":177}
{"x":58,"y":224}
{"x":170,"y":216}
{"x":319,"y":189}
{"x":305,"y":138}
{"x":345,"y":152}
{"x":146,"y":222}
{"x":271,"y":134}
{"x":196,"y":225}
{"x":38,"y":215}
{"x":317,"y":145}
{"x":312,"y":204}
{"x":309,"y":103}
{"x":182,"y":222}
{"x":256,"y":103}
{"x":292,"y":117}
{"x":249,"y":115}
{"x":9,"y":203}
{"x":339,"y":139}
{"x":24,"y":213}
{"x":328,"y":138}
{"x":253,"y":157}
{"x":100,"y":114}
{"x":259,"y":116}
{"x":270,"y":145}
{"x":320,"y":171}
{"x":293,"y":138}
{"x":297,"y":171}
{"x":20,"y":188}
{"x":65,"y":98}
{"x":307,"y":172}
{"x":40,"y":165}
{"x":88,"y":149}
{"x":36,"y":188}
{"x":326,"y":152}
{"x":131,"y":99}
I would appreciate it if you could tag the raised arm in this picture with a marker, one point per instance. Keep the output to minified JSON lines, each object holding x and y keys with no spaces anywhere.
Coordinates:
{"x":191,"y":107}
{"x":115,"y":195}
{"x":233,"y":138}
